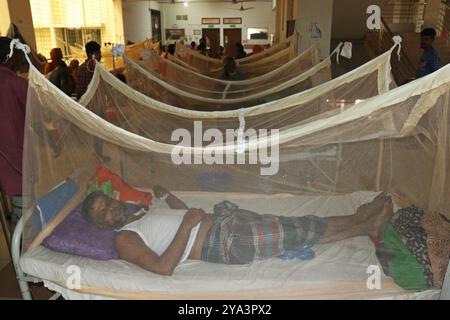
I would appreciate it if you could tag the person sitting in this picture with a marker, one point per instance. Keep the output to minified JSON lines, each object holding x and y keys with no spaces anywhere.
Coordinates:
{"x":62,"y":78}
{"x":430,"y":60}
{"x":171,"y":49}
{"x":230,"y":70}
{"x":56,"y":55}
{"x":159,"y":239}
{"x":257,"y":49}
{"x":240,"y":52}
{"x":220,"y":53}
{"x":193,"y":45}
{"x":202,"y":49}
{"x":73,"y":69}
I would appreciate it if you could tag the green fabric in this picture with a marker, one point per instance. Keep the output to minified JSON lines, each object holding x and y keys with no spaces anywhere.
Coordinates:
{"x":106,"y":187}
{"x":403,"y":267}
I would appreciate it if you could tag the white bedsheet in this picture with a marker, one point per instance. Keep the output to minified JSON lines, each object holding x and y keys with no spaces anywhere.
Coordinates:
{"x":338,"y":271}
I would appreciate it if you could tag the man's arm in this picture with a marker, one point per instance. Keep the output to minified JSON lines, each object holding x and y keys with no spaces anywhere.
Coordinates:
{"x":172,"y":201}
{"x":132,"y":248}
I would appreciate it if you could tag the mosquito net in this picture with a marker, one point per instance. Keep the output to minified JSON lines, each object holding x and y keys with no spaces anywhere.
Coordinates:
{"x":209,"y":65}
{"x":267,"y":159}
{"x":201,"y":85}
{"x":191,"y":90}
{"x":367,"y":81}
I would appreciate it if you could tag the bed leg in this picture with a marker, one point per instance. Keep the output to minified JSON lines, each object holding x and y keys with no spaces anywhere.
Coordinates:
{"x":15,"y":248}
{"x":445,"y":293}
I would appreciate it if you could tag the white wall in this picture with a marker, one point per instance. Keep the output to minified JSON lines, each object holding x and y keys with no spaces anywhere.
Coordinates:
{"x":319,"y":12}
{"x":136,"y":20}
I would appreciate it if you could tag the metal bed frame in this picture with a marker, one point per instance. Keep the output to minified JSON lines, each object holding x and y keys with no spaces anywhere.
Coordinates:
{"x":24,"y":279}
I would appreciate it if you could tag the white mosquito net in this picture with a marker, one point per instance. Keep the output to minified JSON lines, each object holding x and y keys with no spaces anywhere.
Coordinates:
{"x":293,"y":157}
{"x":273,"y":56}
{"x":187,"y":89}
{"x":367,"y":81}
{"x":203,"y":86}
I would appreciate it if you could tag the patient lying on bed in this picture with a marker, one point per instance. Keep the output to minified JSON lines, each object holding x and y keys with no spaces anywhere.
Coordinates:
{"x":159,"y":239}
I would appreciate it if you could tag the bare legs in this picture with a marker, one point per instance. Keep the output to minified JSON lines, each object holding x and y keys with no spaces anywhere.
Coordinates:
{"x":367,"y":221}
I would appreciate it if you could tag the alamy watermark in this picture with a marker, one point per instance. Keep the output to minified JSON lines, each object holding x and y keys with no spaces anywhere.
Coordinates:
{"x":374,"y":20}
{"x":73,"y":281}
{"x":374,"y":279}
{"x":238,"y":147}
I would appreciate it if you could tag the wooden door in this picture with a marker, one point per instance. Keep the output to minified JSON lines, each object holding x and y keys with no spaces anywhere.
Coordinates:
{"x":156,"y":25}
{"x":214,"y":38}
{"x":230,"y":38}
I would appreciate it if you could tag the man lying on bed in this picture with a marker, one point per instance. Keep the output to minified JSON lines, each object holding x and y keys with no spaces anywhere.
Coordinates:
{"x":159,"y":239}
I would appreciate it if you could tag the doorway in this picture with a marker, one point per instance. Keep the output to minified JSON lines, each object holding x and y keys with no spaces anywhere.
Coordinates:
{"x":214,"y":38}
{"x":156,"y":25}
{"x":230,"y":38}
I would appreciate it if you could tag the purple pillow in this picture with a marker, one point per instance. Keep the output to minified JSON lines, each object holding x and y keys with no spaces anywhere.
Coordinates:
{"x":75,"y":235}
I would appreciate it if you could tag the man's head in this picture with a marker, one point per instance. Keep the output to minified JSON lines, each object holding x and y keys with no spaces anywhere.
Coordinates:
{"x":171,"y":49}
{"x":11,"y":63}
{"x":93,"y":49}
{"x":427,"y":37}
{"x":193,"y":45}
{"x":104,"y":211}
{"x":74,"y":64}
{"x":56,"y":54}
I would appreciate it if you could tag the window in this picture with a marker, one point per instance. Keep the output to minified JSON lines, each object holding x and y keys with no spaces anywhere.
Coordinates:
{"x":257,"y":33}
{"x":70,"y":24}
{"x":232,"y":20}
{"x":210,"y":20}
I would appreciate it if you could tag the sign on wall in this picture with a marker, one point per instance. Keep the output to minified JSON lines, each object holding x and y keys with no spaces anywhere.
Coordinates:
{"x":210,"y":20}
{"x":232,"y":20}
{"x":174,"y":34}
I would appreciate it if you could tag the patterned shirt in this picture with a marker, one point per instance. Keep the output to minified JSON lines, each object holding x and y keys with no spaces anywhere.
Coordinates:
{"x":85,"y":74}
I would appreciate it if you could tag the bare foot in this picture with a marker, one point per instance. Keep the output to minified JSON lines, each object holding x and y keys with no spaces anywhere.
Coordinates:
{"x":367,"y":210}
{"x":380,"y":218}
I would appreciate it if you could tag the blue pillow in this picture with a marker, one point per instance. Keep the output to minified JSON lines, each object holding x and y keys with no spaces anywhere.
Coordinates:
{"x":52,"y":203}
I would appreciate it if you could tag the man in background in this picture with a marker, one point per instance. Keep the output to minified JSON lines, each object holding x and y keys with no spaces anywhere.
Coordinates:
{"x":430,"y":60}
{"x":13,"y":99}
{"x":86,"y":70}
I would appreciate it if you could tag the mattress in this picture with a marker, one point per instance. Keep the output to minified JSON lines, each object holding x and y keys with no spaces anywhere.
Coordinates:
{"x":340,"y":270}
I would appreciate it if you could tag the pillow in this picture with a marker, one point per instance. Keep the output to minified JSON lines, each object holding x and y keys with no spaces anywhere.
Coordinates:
{"x":126,"y":193}
{"x":75,"y":235}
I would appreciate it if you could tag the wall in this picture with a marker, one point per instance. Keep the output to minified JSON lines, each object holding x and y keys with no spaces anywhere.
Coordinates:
{"x":432,"y":13}
{"x":350,"y":18}
{"x":4,"y":20}
{"x":136,"y":20}
{"x":137,"y":23}
{"x":317,"y":12}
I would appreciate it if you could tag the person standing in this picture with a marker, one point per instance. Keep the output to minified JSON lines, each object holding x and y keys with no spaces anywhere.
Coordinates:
{"x":86,"y":70}
{"x":12,"y":122}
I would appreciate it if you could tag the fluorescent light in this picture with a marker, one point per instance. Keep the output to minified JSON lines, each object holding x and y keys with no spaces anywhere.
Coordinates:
{"x":185,"y":3}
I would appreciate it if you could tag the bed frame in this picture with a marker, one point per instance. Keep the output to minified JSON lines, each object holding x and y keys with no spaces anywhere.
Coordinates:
{"x":24,"y":279}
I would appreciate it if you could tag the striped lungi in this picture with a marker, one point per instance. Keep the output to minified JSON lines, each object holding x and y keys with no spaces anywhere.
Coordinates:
{"x":240,"y":236}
